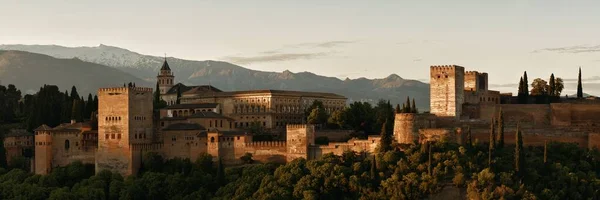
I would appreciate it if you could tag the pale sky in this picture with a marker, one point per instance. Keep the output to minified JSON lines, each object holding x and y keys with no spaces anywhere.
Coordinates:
{"x":343,"y":38}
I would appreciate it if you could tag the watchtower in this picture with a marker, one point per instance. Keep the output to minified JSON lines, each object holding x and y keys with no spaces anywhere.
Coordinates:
{"x":124,"y":118}
{"x":43,"y":150}
{"x":299,"y":138}
{"x":447,"y":90}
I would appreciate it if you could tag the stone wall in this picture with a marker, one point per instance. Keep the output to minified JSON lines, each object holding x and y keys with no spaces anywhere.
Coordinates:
{"x":594,"y":140}
{"x":43,"y":152}
{"x":334,"y":135}
{"x":436,"y":134}
{"x":447,"y":90}
{"x":407,"y":125}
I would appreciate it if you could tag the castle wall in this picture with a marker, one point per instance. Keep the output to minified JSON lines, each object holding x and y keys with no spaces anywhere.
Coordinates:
{"x":264,"y":151}
{"x":536,"y":136}
{"x":447,"y":90}
{"x":436,"y":134}
{"x":334,"y":135}
{"x":407,"y":125}
{"x":184,"y":144}
{"x":63,"y":154}
{"x":338,"y":148}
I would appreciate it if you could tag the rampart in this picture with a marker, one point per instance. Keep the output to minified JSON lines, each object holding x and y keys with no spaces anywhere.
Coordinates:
{"x":407,"y":125}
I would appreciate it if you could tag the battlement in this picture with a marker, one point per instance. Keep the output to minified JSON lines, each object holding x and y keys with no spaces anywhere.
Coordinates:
{"x":472,"y":73}
{"x":266,"y":144}
{"x":146,"y":147}
{"x":444,"y":67}
{"x":125,"y":89}
{"x":298,"y":126}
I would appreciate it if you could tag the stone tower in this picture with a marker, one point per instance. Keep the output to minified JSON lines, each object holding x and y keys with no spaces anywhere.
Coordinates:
{"x":299,"y":138}
{"x":124,"y":120}
{"x":165,"y":78}
{"x":447,"y":90}
{"x":43,"y":149}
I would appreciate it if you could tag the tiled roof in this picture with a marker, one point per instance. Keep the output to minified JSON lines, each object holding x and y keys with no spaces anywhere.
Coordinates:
{"x":185,"y":106}
{"x":183,"y":126}
{"x":202,"y":89}
{"x":18,"y":132}
{"x":43,"y":127}
{"x":272,"y":92}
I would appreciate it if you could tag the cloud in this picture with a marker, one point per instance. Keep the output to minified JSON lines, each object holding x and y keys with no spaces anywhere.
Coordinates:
{"x":274,"y":57}
{"x":571,"y":49}
{"x":328,"y":44}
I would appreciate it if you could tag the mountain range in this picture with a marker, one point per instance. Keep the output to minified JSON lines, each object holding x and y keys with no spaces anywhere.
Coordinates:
{"x":31,"y":66}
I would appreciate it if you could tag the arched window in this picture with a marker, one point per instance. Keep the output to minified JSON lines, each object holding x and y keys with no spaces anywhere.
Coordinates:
{"x":212,"y":139}
{"x":67,"y":145}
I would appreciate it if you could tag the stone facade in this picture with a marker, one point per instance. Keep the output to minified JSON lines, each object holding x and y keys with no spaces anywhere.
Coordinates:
{"x":447,"y":90}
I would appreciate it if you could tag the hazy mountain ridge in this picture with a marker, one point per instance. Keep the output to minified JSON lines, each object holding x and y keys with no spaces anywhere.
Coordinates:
{"x":227,"y":76}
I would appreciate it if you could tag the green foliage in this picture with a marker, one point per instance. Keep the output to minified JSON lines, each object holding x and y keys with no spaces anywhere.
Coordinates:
{"x":247,"y":158}
{"x":500,"y":121}
{"x":322,"y":140}
{"x":519,"y":154}
{"x":385,"y":143}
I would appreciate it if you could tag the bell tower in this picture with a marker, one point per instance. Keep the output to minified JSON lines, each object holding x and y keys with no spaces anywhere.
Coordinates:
{"x":165,"y":78}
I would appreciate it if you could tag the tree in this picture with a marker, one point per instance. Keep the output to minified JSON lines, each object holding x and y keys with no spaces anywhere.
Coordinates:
{"x":469,"y":138}
{"x":317,"y":116}
{"x":338,"y":118}
{"x":539,"y":87}
{"x":500,"y":129}
{"x":247,"y":158}
{"x":74,"y":94}
{"x":579,"y":85}
{"x":559,"y":86}
{"x":398,"y":109}
{"x":385,"y":143}
{"x":414,"y":107}
{"x":76,"y":111}
{"x":429,"y":158}
{"x":89,"y":106}
{"x":220,"y":173}
{"x":157,"y":94}
{"x":408,"y":107}
{"x":525,"y":85}
{"x":95,"y":103}
{"x":493,"y":134}
{"x":374,"y":168}
{"x":545,"y":151}
{"x":521,"y":92}
{"x":552,"y":85}
{"x":519,"y":154}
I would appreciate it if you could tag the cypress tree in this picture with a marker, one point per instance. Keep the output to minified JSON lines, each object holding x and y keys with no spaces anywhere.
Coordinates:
{"x":76,"y":110}
{"x":429,"y":162}
{"x":385,"y":143}
{"x":89,"y":106}
{"x":414,"y":107}
{"x":374,"y":168}
{"x":65,"y":115}
{"x":74,"y":94}
{"x":519,"y":154}
{"x":95,"y":103}
{"x":552,"y":86}
{"x":398,"y":110}
{"x":403,"y":107}
{"x":469,"y":138}
{"x":501,"y":129}
{"x":545,"y":151}
{"x":178,"y":96}
{"x":157,"y":94}
{"x":220,"y":173}
{"x":408,"y":107}
{"x":579,"y":85}
{"x":490,"y":151}
{"x":81,"y":109}
{"x":493,"y":134}
{"x":526,"y":87}
{"x":521,"y":94}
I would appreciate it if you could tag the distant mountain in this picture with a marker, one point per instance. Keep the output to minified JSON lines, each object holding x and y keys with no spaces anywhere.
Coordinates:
{"x":228,"y":77}
{"x":30,"y":71}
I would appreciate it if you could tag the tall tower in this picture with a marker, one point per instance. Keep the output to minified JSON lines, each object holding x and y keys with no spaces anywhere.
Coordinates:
{"x":165,"y":78}
{"x":124,"y":119}
{"x":299,"y":138}
{"x":447,"y":90}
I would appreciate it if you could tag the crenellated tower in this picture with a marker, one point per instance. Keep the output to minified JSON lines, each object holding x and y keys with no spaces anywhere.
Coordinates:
{"x":165,"y":78}
{"x":447,"y":90}
{"x":299,"y":138}
{"x":124,"y":120}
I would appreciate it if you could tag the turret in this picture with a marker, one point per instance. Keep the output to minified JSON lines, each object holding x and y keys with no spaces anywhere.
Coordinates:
{"x":447,"y":90}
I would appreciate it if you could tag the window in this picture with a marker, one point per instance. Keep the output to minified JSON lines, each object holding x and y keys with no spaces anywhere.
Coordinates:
{"x":162,"y":124}
{"x":67,"y":145}
{"x":112,"y":136}
{"x":212,"y":139}
{"x":221,"y":123}
{"x":238,"y":137}
{"x":174,"y":138}
{"x":76,"y":144}
{"x":119,"y":136}
{"x":106,"y":136}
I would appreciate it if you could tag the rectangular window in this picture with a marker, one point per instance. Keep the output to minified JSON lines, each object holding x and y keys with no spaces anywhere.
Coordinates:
{"x":112,"y":136}
{"x":210,"y":125}
{"x":119,"y":136}
{"x":221,"y":123}
{"x":106,"y":136}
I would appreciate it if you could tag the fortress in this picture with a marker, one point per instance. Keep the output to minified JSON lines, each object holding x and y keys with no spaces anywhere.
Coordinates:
{"x":461,"y":101}
{"x":208,"y":120}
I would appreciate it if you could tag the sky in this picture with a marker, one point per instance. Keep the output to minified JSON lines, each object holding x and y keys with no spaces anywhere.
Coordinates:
{"x":339,"y":38}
